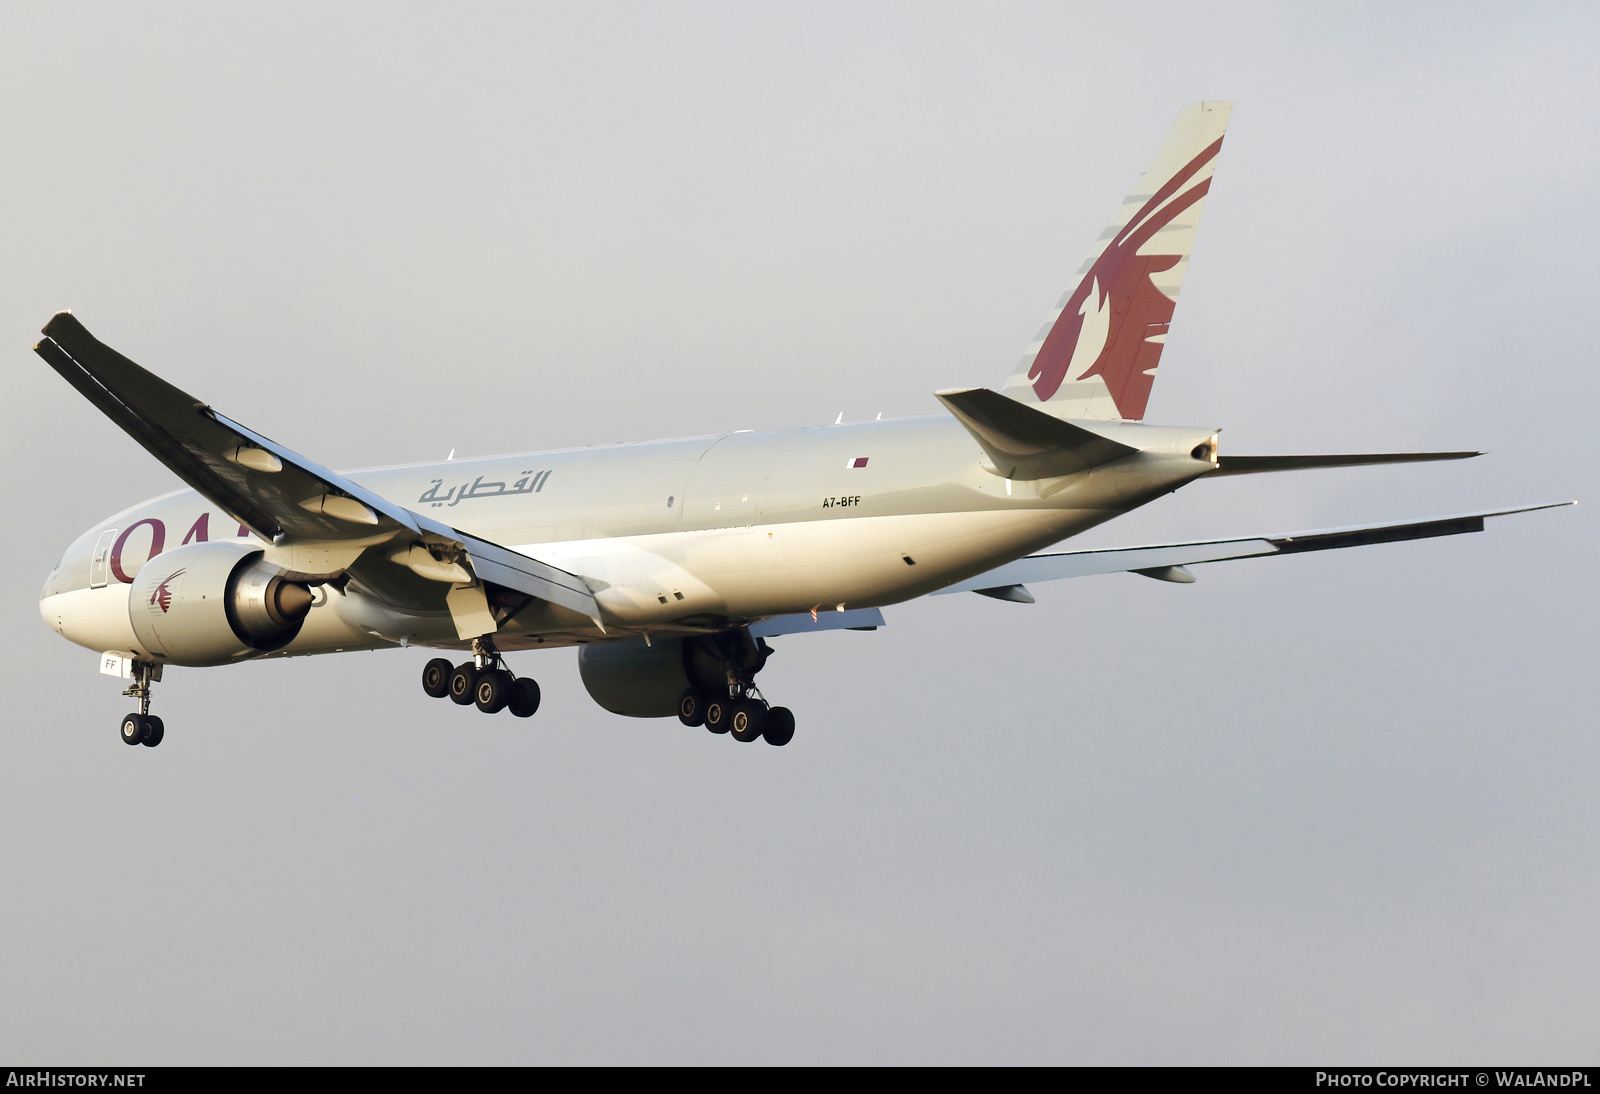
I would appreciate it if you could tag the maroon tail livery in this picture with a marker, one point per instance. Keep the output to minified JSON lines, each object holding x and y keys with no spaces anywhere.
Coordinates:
{"x":1096,"y":357}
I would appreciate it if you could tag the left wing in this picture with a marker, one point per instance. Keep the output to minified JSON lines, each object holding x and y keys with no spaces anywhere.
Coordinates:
{"x":278,"y":494}
{"x":1166,"y":561}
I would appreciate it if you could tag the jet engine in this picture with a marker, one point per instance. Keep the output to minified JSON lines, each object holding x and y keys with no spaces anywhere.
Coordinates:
{"x":646,"y":681}
{"x":634,"y":679}
{"x":215,"y":603}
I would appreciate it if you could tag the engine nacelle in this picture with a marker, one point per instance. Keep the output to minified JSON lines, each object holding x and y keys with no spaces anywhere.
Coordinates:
{"x":634,"y":679}
{"x":645,"y":681}
{"x":215,"y":603}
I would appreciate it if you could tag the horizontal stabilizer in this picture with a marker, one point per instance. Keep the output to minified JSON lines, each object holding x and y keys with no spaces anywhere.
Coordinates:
{"x":1051,"y":567}
{"x":1024,"y":443}
{"x":275,"y":492}
{"x":1250,"y":465}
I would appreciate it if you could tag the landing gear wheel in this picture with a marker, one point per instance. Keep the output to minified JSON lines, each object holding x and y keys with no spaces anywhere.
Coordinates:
{"x":155,"y":729}
{"x":493,"y":690}
{"x":718,"y":710}
{"x":524,"y":697}
{"x":747,"y":720}
{"x":464,"y":683}
{"x":780,"y":726}
{"x":692,"y":707}
{"x":134,"y":727}
{"x":436,"y":677}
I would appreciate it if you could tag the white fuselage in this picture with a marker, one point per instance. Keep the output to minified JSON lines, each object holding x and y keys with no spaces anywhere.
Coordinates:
{"x":673,"y":536}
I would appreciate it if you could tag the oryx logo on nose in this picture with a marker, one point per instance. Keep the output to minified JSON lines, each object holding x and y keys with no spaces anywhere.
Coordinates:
{"x":162,"y":597}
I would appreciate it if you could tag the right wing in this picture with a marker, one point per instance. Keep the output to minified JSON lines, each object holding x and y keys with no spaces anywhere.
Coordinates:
{"x":280,"y":495}
{"x":856,"y":619}
{"x":1165,"y":561}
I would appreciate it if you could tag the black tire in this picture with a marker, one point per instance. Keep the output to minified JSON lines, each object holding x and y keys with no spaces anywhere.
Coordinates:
{"x":746,"y":721}
{"x":134,"y":727}
{"x":155,"y":730}
{"x":718,"y":708}
{"x":464,"y":683}
{"x":692,"y":707}
{"x":780,"y":726}
{"x":436,"y":677}
{"x":493,"y":691}
{"x":524,"y":698}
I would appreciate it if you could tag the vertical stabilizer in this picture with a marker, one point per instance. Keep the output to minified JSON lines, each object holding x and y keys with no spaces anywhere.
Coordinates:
{"x":1096,"y":355}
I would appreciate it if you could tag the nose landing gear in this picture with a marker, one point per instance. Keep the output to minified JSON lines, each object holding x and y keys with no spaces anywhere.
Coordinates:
{"x":484,"y":682}
{"x":143,"y":728}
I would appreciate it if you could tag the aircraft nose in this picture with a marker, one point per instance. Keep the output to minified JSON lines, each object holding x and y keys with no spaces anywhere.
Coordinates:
{"x":50,"y":609}
{"x":51,"y":587}
{"x":96,"y":619}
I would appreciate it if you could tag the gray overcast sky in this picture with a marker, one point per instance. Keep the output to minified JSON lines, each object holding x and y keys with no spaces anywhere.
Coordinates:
{"x":1332,"y":808}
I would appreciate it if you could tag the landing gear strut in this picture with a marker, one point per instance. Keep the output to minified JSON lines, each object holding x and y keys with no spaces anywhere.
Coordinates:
{"x":142,"y":727}
{"x":484,"y":681}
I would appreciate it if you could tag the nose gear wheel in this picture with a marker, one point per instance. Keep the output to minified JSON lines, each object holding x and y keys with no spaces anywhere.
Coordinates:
{"x":142,"y":727}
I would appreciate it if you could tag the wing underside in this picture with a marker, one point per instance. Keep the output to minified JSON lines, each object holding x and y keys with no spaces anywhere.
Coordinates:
{"x":277,"y":493}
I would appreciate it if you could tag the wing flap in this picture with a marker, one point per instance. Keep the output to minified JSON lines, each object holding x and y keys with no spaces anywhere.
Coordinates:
{"x":514,"y":570}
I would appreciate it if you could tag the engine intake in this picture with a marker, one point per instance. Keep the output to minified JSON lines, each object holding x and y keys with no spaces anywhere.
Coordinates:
{"x":215,"y":603}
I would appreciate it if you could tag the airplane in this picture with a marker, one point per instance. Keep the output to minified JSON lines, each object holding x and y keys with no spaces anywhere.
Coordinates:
{"x":671,"y":563}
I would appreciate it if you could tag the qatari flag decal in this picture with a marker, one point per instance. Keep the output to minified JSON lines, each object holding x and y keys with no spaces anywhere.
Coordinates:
{"x":856,"y":461}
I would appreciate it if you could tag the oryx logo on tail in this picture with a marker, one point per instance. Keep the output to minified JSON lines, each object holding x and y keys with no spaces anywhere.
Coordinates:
{"x":1100,"y":348}
{"x":1114,"y":325}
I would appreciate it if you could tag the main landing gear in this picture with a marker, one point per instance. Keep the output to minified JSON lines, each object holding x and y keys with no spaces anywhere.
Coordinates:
{"x":742,"y":714}
{"x":723,"y":696}
{"x":483,"y":681}
{"x":142,"y":727}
